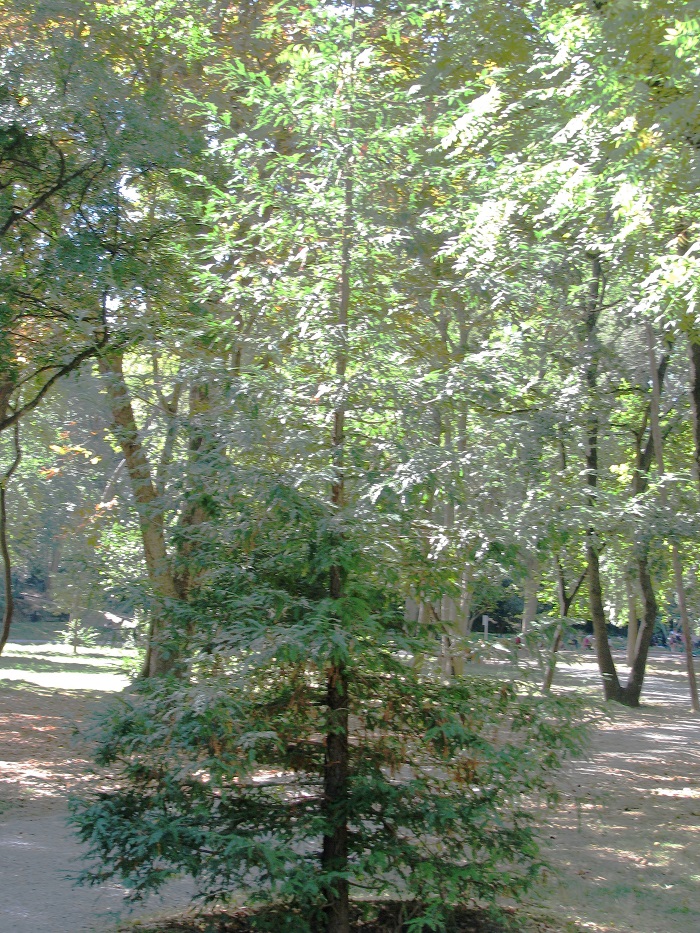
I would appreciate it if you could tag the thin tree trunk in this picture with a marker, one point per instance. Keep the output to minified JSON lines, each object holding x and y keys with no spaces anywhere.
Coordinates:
{"x":559,"y":633}
{"x":148,"y":506}
{"x":562,"y":598}
{"x":202,"y":448}
{"x":7,"y":572}
{"x":334,"y":856}
{"x":685,"y":625}
{"x":675,"y":555}
{"x":691,"y":330}
{"x":638,"y":651}
{"x":463,"y":622}
{"x":694,"y":348}
{"x":552,"y":665}
{"x":73,"y":623}
{"x":531,"y":589}
{"x":606,"y":664}
{"x":466,"y":592}
{"x":565,"y":601}
{"x":4,"y":549}
{"x":631,"y":622}
{"x":631,"y":693}
{"x":448,"y":607}
{"x":612,"y":689}
{"x":54,"y":563}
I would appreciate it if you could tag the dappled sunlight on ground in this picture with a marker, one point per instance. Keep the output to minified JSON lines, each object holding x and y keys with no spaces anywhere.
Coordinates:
{"x":43,"y":759}
{"x":40,"y":754}
{"x":60,"y":680}
{"x":56,"y":667}
{"x":626,"y":858}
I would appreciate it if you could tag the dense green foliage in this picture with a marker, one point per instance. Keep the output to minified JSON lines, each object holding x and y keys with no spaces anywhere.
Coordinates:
{"x":220,"y":770}
{"x":328,"y":329}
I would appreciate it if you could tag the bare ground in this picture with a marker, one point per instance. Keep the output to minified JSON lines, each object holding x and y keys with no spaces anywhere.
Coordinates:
{"x":626,"y":859}
{"x":41,"y":762}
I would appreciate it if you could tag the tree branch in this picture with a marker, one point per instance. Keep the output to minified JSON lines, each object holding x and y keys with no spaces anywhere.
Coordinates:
{"x":64,"y":370}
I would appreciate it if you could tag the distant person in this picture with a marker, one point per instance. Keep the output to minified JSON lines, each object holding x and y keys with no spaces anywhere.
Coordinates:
{"x":588,"y":643}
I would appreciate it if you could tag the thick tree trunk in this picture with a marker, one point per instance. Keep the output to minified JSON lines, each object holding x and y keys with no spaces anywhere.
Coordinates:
{"x":631,"y":693}
{"x":148,"y":507}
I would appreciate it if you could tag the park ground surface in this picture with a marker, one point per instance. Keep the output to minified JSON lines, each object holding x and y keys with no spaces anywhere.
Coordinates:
{"x":625,"y":857}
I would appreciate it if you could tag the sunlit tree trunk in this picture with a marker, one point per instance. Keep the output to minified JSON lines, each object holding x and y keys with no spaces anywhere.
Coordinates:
{"x":675,"y":554}
{"x":565,"y":601}
{"x":202,"y":451}
{"x":464,"y":620}
{"x":148,"y":506}
{"x":448,"y":608}
{"x":692,"y":332}
{"x":530,"y":589}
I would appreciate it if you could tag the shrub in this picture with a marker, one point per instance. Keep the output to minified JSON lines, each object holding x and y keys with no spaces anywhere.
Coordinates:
{"x":219,"y":772}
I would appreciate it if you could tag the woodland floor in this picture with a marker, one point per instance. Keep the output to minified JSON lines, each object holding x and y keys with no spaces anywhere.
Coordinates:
{"x":625,"y":860}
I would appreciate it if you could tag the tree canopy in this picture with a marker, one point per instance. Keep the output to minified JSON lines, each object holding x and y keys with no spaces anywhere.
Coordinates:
{"x":325,"y":331}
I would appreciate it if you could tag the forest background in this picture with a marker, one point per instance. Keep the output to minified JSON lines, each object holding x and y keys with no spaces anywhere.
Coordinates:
{"x":300,"y":295}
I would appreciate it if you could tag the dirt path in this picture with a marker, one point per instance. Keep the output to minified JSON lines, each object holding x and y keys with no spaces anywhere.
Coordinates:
{"x":628,"y":861}
{"x":41,"y":762}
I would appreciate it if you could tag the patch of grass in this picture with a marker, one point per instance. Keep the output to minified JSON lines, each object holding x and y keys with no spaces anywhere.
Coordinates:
{"x":59,"y":650}
{"x":39,"y":665}
{"x":55,"y":667}
{"x":682,"y":909}
{"x":5,"y":805}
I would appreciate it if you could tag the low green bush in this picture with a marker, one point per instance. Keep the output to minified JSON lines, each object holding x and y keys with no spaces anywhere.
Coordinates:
{"x":218,"y":772}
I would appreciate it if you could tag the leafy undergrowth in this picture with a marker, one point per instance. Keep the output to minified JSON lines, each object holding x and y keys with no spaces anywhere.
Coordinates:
{"x":390,"y":918}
